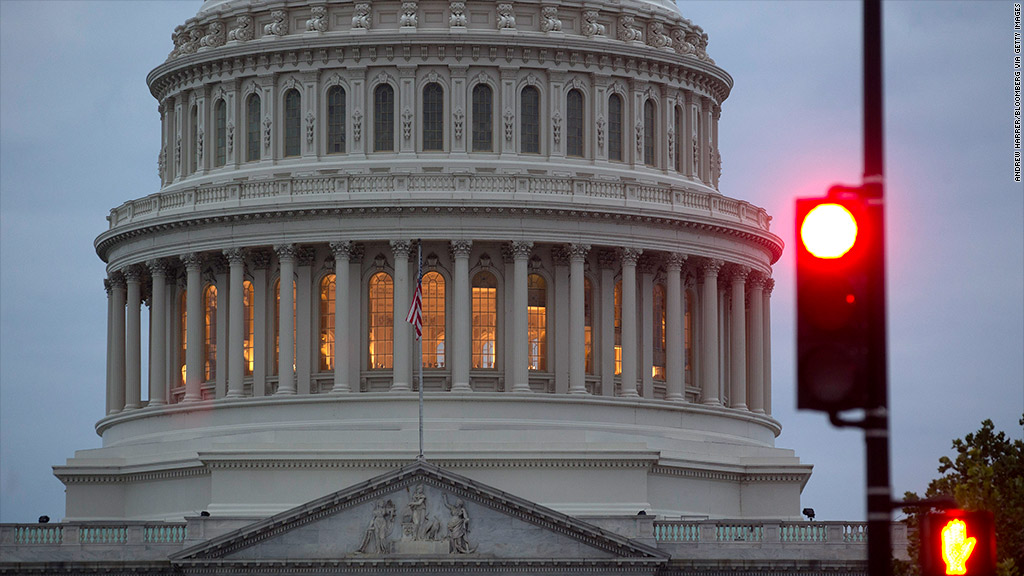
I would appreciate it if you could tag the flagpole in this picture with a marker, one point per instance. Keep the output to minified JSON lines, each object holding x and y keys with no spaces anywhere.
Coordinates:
{"x":419,"y":340}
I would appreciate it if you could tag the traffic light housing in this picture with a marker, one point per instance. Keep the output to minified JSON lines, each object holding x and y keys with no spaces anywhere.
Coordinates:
{"x":840,"y":300}
{"x":958,"y":543}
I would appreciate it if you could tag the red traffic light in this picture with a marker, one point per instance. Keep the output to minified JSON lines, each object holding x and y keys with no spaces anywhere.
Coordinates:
{"x":958,"y":543}
{"x":828,"y":231}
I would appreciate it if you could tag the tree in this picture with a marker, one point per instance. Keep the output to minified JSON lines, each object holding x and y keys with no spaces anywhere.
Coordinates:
{"x":987,"y":473}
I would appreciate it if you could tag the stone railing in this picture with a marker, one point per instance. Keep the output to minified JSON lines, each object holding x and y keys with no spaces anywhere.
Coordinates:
{"x":128,"y":533}
{"x":367,"y":190}
{"x":739,"y":531}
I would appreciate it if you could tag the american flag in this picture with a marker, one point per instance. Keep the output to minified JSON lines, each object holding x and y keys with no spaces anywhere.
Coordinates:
{"x":415,"y":316}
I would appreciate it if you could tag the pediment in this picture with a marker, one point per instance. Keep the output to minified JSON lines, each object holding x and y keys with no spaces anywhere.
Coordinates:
{"x":417,"y":517}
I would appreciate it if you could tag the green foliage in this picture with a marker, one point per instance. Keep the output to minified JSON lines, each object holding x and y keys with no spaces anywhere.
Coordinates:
{"x":987,"y":473}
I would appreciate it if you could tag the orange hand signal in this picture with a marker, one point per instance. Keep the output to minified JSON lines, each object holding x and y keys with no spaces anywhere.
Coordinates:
{"x":956,"y":547}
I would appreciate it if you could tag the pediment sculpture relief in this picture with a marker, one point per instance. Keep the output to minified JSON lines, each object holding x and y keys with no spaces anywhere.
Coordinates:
{"x":422,"y":531}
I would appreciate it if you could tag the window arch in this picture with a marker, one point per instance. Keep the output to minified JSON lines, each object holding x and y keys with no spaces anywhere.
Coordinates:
{"x":277,"y":326}
{"x":433,"y":117}
{"x":336,"y":120}
{"x":617,"y":297}
{"x":384,"y":118}
{"x":249,"y":315}
{"x":660,"y":303}
{"x":193,"y":154}
{"x":220,"y":119}
{"x":537,"y":314}
{"x":292,"y":123}
{"x":381,"y":322}
{"x":209,"y":333}
{"x":252,"y":128}
{"x":433,"y":320}
{"x":328,"y":296}
{"x":485,"y":320}
{"x":649,"y":132}
{"x":483,"y":118}
{"x":615,"y":127}
{"x":588,"y":326}
{"x":574,"y":123}
{"x":529,"y":121}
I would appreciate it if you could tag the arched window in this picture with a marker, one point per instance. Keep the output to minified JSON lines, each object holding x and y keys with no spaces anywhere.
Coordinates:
{"x":336,"y":120}
{"x":381,"y":322}
{"x":688,"y":336}
{"x":485,"y":319}
{"x":483,"y":111}
{"x":679,"y":139}
{"x":252,"y":128}
{"x":618,"y":327}
{"x":529,"y":121}
{"x":433,"y":117}
{"x":277,"y":326}
{"x":615,"y":127}
{"x":249,"y":313}
{"x":574,"y":123}
{"x":649,"y":132}
{"x":537,"y":314}
{"x":194,"y":140}
{"x":327,"y":300}
{"x":660,"y":301}
{"x":182,"y":335}
{"x":210,"y":333}
{"x":220,"y":120}
{"x":588,"y":326}
{"x":433,"y":320}
{"x":292,"y":123}
{"x":384,"y":118}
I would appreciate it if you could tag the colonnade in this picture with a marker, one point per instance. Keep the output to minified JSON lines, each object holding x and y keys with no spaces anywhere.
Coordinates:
{"x":713,"y":332}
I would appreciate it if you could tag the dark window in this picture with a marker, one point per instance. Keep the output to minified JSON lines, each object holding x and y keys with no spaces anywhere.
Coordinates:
{"x":194,"y":148}
{"x":220,"y":112}
{"x":482,"y":118}
{"x":649,"y":133}
{"x":433,"y":117}
{"x":384,"y":119}
{"x":252,"y":128}
{"x":292,"y":123}
{"x":529,"y":121}
{"x":615,"y":127}
{"x":336,"y":120}
{"x":574,"y":123}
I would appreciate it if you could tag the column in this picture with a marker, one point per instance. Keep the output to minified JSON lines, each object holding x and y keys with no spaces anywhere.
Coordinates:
{"x":755,"y":393}
{"x":304,"y":315}
{"x":401,"y":365}
{"x":738,"y":339}
{"x":341,"y":251}
{"x":221,"y":336}
{"x":646,"y":269}
{"x":108,"y":286}
{"x":518,"y":369}
{"x":709,"y":342}
{"x":766,"y":378}
{"x":133,"y":340}
{"x":462,"y":304}
{"x":117,"y":355}
{"x":560,"y":329}
{"x":577,"y":345}
{"x":236,"y":321}
{"x":193,"y":328}
{"x":674,"y":349}
{"x":691,"y":164}
{"x":629,"y":348}
{"x":705,"y":140}
{"x":286,"y":333}
{"x":716,"y":113}
{"x":608,"y":262}
{"x":158,"y":334}
{"x":260,"y":347}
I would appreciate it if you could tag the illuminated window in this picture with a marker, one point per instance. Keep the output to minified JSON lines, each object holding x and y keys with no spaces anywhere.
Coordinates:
{"x":482,"y":118}
{"x":327,"y":299}
{"x":277,"y":326}
{"x":252,"y":128}
{"x":210,"y":334}
{"x":194,"y":141}
{"x":292,"y":123}
{"x":220,"y":118}
{"x":384,"y":118}
{"x":537,"y":312}
{"x":336,"y":120}
{"x":615,"y":127}
{"x":660,"y":301}
{"x":485,"y":319}
{"x":588,"y":326}
{"x":529,"y":121}
{"x":247,"y":328}
{"x":433,"y":117}
{"x":688,"y":336}
{"x":618,"y":327}
{"x":381,"y":340}
{"x":649,"y":132}
{"x":574,"y":123}
{"x":433,"y":320}
{"x":183,"y":335}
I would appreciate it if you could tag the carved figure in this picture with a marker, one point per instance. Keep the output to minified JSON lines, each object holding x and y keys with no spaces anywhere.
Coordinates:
{"x":656,"y":35}
{"x":506,"y":17}
{"x":458,"y":527}
{"x":556,"y":127}
{"x":591,"y":27}
{"x":161,"y":161}
{"x":600,"y":131}
{"x":509,"y":117}
{"x":357,"y":125}
{"x":377,"y":539}
{"x":278,"y":25}
{"x":267,"y":123}
{"x":193,"y":36}
{"x":702,"y":46}
{"x":409,"y":19}
{"x":549,"y":19}
{"x":361,"y":16}
{"x":458,"y":14}
{"x":421,"y":526}
{"x":242,"y":31}
{"x":178,"y":37}
{"x":458,"y":116}
{"x":318,"y":20}
{"x":215,"y":35}
{"x":628,"y":32}
{"x":407,"y":123}
{"x":231,"y":137}
{"x":310,"y":127}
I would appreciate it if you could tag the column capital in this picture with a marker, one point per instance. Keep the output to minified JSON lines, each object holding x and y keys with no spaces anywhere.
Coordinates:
{"x":235,"y":255}
{"x":305,"y":256}
{"x":460,"y":248}
{"x":107,"y":286}
{"x":342,"y":250}
{"x":285,"y":251}
{"x":560,"y":256}
{"x":158,"y":267}
{"x":401,"y":248}
{"x":710,"y":267}
{"x":260,"y":259}
{"x":133,"y":273}
{"x":117,"y":279}
{"x":631,"y":255}
{"x":739,"y":273}
{"x":521,"y":250}
{"x":756,"y":280}
{"x":192,"y":260}
{"x":648,"y":263}
{"x":674,"y":262}
{"x":607,"y":259}
{"x":578,"y":252}
{"x":769,"y":285}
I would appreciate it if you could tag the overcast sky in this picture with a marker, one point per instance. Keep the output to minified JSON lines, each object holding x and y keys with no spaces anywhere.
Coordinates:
{"x":79,"y":134}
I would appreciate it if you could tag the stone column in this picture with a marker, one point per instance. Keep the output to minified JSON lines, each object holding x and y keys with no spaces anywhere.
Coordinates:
{"x":646,"y":268}
{"x":560,"y":365}
{"x":342,"y":250}
{"x":577,"y":320}
{"x":158,"y":334}
{"x":674,"y":328}
{"x":755,"y":393}
{"x":304,"y":315}
{"x":519,"y":367}
{"x":260,"y":345}
{"x":709,"y":342}
{"x":133,"y":340}
{"x":401,"y":365}
{"x":738,"y":340}
{"x":117,"y":388}
{"x":629,"y":347}
{"x":461,"y":347}
{"x":221,"y":335}
{"x":108,"y":286}
{"x":236,"y":321}
{"x":608,"y":262}
{"x":193,"y":328}
{"x":286,"y":329}
{"x":766,"y":379}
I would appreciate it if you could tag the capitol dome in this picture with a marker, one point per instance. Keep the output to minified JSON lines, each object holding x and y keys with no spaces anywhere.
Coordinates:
{"x":596,"y":327}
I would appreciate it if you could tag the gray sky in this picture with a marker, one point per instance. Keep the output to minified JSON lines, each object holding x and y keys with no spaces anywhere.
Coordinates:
{"x":79,"y":134}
